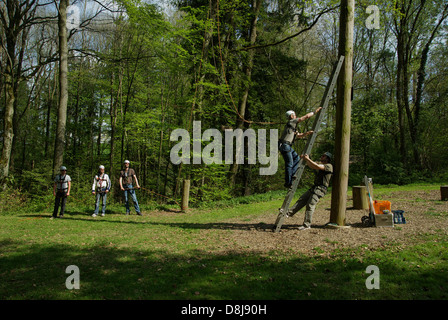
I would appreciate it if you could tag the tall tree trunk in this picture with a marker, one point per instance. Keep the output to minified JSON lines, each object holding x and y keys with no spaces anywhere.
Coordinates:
{"x":256,"y":5}
{"x":59,"y":146}
{"x":421,"y":75}
{"x":15,"y":131}
{"x":113,"y":124}
{"x":18,"y":73}
{"x":8,"y":132}
{"x":91,"y":145}
{"x":400,"y":95}
{"x":407,"y":24}
{"x":100,"y":132}
{"x":51,"y":93}
{"x":343,"y":115}
{"x":164,"y":105}
{"x":407,"y":107}
{"x":130,"y":81}
{"x":10,"y":96}
{"x":76,"y":137}
{"x":247,"y":168}
{"x":199,"y":78}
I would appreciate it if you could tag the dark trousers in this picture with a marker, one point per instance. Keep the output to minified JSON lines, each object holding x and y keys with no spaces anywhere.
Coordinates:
{"x":61,"y":199}
{"x":291,"y":162}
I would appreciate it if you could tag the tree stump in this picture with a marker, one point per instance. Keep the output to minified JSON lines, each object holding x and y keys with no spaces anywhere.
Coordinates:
{"x":360,"y":197}
{"x":444,"y":192}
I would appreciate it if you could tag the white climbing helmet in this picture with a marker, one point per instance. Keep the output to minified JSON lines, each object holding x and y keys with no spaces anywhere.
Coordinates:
{"x":289,"y":113}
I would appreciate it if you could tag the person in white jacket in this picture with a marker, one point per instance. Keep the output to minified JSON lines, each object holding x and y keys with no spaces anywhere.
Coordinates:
{"x":101,"y":187}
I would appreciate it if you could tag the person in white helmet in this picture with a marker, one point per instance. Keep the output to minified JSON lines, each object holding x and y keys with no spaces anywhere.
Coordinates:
{"x":286,"y":142}
{"x":127,"y":176}
{"x":101,"y":187}
{"x":61,"y":190}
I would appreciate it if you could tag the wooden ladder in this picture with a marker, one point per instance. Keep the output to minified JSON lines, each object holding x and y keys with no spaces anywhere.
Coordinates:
{"x":309,"y":145}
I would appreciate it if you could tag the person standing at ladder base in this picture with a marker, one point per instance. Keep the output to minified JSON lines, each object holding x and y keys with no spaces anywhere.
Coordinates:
{"x":321,"y":183}
{"x":127,"y":175}
{"x":100,"y":187}
{"x":61,"y":190}
{"x":287,"y":140}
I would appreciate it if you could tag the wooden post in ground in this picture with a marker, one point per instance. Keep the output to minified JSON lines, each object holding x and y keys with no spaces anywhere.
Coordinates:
{"x":444,"y":192}
{"x":343,"y":115}
{"x":185,"y":195}
{"x":360,"y":198}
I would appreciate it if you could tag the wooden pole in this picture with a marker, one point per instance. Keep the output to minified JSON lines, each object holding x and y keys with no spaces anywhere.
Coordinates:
{"x":343,"y":115}
{"x":185,"y":195}
{"x":360,"y":198}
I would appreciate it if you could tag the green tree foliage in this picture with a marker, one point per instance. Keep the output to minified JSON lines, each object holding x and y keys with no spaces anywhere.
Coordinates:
{"x":141,"y":69}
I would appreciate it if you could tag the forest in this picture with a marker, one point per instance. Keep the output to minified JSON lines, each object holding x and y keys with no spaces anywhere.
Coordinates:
{"x":85,"y":83}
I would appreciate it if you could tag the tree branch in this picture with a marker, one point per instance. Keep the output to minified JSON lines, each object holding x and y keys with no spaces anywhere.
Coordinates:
{"x":292,"y":36}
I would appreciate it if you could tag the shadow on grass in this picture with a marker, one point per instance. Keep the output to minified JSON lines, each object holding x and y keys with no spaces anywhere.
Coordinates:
{"x":182,"y":225}
{"x":261,"y":226}
{"x":37,"y":271}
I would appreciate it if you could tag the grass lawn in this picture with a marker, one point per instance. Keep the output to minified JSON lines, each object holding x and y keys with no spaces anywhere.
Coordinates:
{"x":215,"y":254}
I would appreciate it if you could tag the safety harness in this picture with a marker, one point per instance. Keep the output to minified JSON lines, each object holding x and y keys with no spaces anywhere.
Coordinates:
{"x":124,"y":175}
{"x":61,"y":182}
{"x":99,"y":182}
{"x":294,"y":130}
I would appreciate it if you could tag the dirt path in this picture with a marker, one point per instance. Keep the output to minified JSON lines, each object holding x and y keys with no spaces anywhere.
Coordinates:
{"x":424,"y":214}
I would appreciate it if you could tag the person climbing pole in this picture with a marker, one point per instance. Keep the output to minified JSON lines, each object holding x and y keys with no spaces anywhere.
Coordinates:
{"x":61,"y":190}
{"x":286,"y":142}
{"x":312,"y":196}
{"x":127,"y":175}
{"x":101,"y":187}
